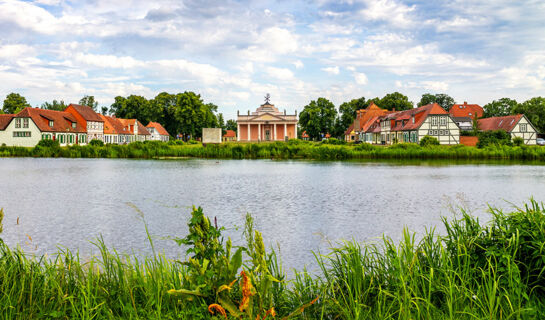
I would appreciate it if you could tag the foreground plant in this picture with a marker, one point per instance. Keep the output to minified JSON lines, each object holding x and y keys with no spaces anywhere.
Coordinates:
{"x":212,"y":272}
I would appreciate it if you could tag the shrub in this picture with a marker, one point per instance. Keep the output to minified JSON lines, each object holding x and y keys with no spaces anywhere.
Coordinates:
{"x":334,"y":141}
{"x":494,"y":137}
{"x":49,"y":143}
{"x":96,"y":143}
{"x":518,"y":141}
{"x":429,"y":141}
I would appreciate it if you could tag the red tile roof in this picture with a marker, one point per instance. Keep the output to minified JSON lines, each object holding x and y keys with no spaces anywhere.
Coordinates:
{"x":142,"y":130}
{"x":420,"y":114}
{"x":129,"y":126}
{"x":364,"y":115}
{"x":230,"y":134}
{"x":304,"y":134}
{"x":506,"y":123}
{"x":112,"y":125}
{"x":5,"y":119}
{"x":160,"y":129}
{"x":466,"y":110}
{"x":87,"y":113}
{"x":349,"y":130}
{"x":62,"y":121}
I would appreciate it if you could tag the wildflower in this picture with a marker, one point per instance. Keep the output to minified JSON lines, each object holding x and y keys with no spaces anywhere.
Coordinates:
{"x":218,"y":308}
{"x":270,"y":312}
{"x":246,"y":291}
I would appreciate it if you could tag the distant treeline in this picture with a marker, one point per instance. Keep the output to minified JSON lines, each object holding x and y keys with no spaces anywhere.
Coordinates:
{"x":293,"y":149}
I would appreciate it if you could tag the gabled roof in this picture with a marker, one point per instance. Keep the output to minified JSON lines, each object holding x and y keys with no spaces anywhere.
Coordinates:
{"x":506,"y":123}
{"x":349,"y":130}
{"x":369,"y":124}
{"x":420,"y":114}
{"x":5,"y":119}
{"x":364,"y":115}
{"x":86,"y":112}
{"x":160,"y":129}
{"x":112,"y":125}
{"x":466,"y":110}
{"x":230,"y":134}
{"x":62,"y":121}
{"x":142,"y":130}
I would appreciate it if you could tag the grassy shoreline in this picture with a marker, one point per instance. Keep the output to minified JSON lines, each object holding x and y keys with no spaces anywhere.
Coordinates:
{"x":474,"y":271}
{"x":281,"y":150}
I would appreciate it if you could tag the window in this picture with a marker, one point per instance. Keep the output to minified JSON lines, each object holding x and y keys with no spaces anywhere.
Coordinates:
{"x":433,"y":121}
{"x":74,"y":125}
{"x":25,"y":123}
{"x":470,"y":113}
{"x":51,"y":123}
{"x":71,"y":138}
{"x":523,"y":127}
{"x":21,"y":134}
{"x":413,"y":118}
{"x":443,"y":121}
{"x":18,"y":123}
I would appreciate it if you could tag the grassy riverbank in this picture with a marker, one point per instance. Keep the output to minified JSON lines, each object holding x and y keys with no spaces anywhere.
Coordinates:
{"x":280,"y":150}
{"x":474,"y":271}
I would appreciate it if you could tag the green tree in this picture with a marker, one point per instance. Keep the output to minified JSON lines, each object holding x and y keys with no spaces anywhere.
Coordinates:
{"x":231,"y":125}
{"x":164,"y":104}
{"x":534,"y":110}
{"x":499,"y":108}
{"x":89,"y":101}
{"x":318,"y":117}
{"x":221,"y":123}
{"x":54,"y":105}
{"x":192,"y":114}
{"x":104,"y":110}
{"x":444,"y":100}
{"x":347,"y":114}
{"x":395,"y":101}
{"x":14,"y":103}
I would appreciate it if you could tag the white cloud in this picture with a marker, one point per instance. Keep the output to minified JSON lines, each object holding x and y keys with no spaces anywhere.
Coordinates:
{"x":280,"y":73}
{"x":391,"y":11}
{"x":331,"y":70}
{"x":360,"y":78}
{"x":298,"y":64}
{"x":437,"y":86}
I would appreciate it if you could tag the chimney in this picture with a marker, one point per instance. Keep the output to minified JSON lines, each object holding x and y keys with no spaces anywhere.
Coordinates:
{"x":465,"y":102}
{"x":248,"y":112}
{"x":284,"y":111}
{"x":238,"y":113}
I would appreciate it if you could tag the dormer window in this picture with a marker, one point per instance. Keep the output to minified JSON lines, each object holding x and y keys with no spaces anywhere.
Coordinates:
{"x":413,"y":118}
{"x":51,"y":123}
{"x":74,"y":125}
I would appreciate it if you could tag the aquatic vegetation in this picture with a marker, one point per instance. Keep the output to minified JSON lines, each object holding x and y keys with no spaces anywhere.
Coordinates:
{"x":471,"y":271}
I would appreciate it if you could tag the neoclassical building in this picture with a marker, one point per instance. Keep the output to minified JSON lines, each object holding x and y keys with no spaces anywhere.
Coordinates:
{"x":266,"y":124}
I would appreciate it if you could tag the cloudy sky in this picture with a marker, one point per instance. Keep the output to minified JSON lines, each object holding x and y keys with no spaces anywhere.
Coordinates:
{"x":234,"y":52}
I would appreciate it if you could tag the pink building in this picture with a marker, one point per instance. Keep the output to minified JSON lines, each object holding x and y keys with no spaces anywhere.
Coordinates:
{"x":266,"y":124}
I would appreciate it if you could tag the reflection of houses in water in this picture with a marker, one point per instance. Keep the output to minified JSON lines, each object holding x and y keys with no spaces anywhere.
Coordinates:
{"x":266,"y":124}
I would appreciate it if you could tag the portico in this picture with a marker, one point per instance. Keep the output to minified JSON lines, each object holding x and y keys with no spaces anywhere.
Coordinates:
{"x":266,"y":124}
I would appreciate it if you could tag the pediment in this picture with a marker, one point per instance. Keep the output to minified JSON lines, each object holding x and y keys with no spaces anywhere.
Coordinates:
{"x":266,"y":117}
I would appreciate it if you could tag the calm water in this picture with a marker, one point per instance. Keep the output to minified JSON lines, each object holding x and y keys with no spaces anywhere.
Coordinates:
{"x":300,"y":205}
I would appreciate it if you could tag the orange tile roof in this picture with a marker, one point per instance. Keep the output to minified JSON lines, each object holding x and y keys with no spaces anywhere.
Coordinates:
{"x":304,"y":134}
{"x":506,"y":123}
{"x":129,"y":126}
{"x":230,"y":134}
{"x":86,"y":112}
{"x":466,"y":110}
{"x":349,"y":130}
{"x":364,"y":115}
{"x":160,"y":129}
{"x":62,"y":121}
{"x":5,"y":119}
{"x":112,"y":125}
{"x":420,"y":114}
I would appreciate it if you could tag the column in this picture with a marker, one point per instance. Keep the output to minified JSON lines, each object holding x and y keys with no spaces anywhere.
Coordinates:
{"x":285,"y":131}
{"x":238,"y":132}
{"x":259,"y":132}
{"x":249,"y":135}
{"x":274,"y":129}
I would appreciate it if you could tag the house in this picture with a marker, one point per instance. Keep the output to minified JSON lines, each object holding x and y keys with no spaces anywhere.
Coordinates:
{"x":516,"y":125}
{"x":114,"y":131}
{"x":369,"y":131}
{"x":229,"y":136}
{"x":137,"y":130}
{"x":88,"y":119}
{"x":350,"y":134}
{"x":305,"y":136}
{"x":362,"y":118}
{"x":157,"y":132}
{"x":465,"y":123}
{"x":473,"y":111}
{"x":412,"y":125}
{"x":30,"y":125}
{"x":266,"y":124}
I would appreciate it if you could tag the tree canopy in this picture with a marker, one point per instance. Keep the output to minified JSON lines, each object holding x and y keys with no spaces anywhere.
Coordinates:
{"x":395,"y":101}
{"x":444,"y":100}
{"x":499,"y":108}
{"x":347,"y":114}
{"x":318,"y":117}
{"x":231,"y":125}
{"x":14,"y":103}
{"x":534,"y":109}
{"x":54,"y":105}
{"x":89,"y":101}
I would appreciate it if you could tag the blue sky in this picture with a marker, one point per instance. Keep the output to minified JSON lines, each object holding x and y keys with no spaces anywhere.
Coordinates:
{"x":234,"y":52}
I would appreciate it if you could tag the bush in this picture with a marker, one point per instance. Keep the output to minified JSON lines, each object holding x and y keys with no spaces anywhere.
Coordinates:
{"x":518,"y":141}
{"x":49,"y":144}
{"x":429,"y":141}
{"x":495,"y":137}
{"x":334,"y":141}
{"x":96,"y":143}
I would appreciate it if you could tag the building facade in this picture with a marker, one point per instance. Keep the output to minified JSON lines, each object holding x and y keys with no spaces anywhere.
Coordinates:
{"x":88,"y":119}
{"x":516,"y":125}
{"x":266,"y":124}
{"x":157,"y":132}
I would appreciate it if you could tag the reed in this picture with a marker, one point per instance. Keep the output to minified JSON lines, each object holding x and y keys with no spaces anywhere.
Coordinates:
{"x":471,"y":271}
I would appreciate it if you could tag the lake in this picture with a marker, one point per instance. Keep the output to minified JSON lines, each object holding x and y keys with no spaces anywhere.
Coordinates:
{"x":298,"y":205}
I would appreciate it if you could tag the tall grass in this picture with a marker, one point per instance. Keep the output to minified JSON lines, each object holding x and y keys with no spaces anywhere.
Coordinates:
{"x":294,"y":149}
{"x":472,"y":271}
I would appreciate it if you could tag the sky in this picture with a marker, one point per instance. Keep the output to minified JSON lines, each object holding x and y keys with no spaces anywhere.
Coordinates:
{"x":234,"y":52}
